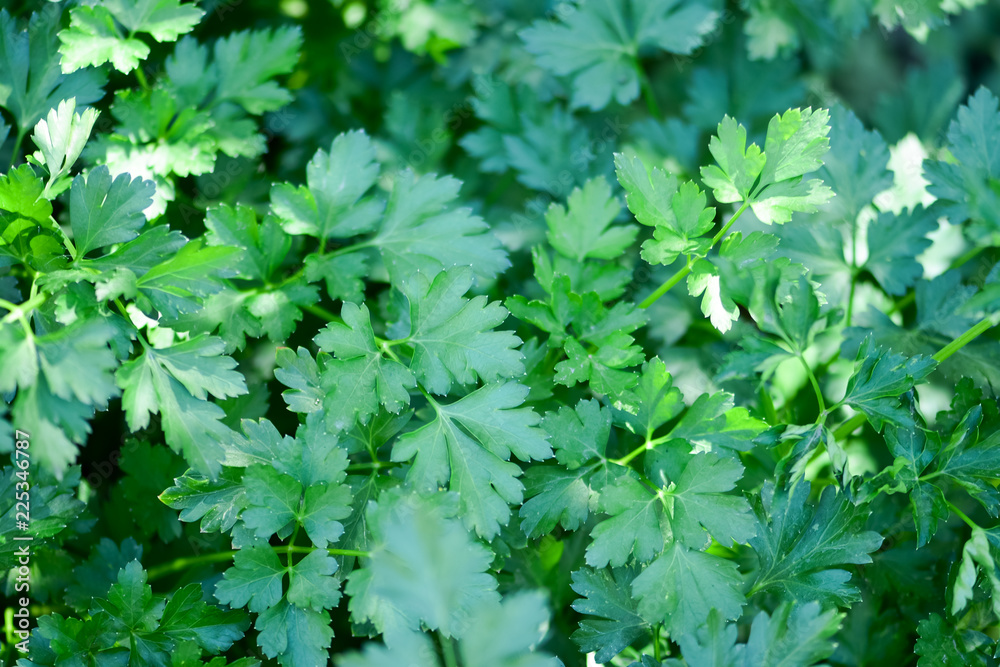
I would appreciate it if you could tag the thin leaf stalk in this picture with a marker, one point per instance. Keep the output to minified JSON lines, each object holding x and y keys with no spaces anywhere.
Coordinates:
{"x":815,"y":384}
{"x":644,"y":447}
{"x":976,"y":330}
{"x":958,"y":262}
{"x":962,"y":515}
{"x":647,"y":89}
{"x":20,"y":311}
{"x":184,"y":563}
{"x":967,"y":337}
{"x":682,"y":273}
{"x":448,"y":651}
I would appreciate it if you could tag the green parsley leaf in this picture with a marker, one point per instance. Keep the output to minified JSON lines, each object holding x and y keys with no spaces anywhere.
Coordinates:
{"x":505,"y":634}
{"x":634,"y":526}
{"x":416,"y":647}
{"x":970,"y":462}
{"x":244,"y":77}
{"x":60,"y":138}
{"x":770,"y":181}
{"x":422,"y":232}
{"x":254,"y":581}
{"x":856,"y":168}
{"x":55,"y":507}
{"x":425,"y":569}
{"x":300,"y":372}
{"x":93,"y":38}
{"x":105,"y":211}
{"x":798,"y":545}
{"x":175,"y":382}
{"x":739,"y":166}
{"x":597,"y":45}
{"x":179,"y":285}
{"x":978,"y":554}
{"x":968,"y":181}
{"x":893,"y":245}
{"x":359,"y":378}
{"x":939,"y":645}
{"x":652,"y":403}
{"x":331,"y":207}
{"x":605,"y":594}
{"x":563,"y":496}
{"x":682,"y":586}
{"x":794,"y":634}
{"x":311,"y":585}
{"x":713,"y":424}
{"x":264,"y":244}
{"x":880,"y":378}
{"x":217,"y":503}
{"x":678,"y":213}
{"x":695,"y":496}
{"x":31,"y":81}
{"x":945,"y":309}
{"x":453,"y":339}
{"x":468,"y":445}
{"x":296,"y":636}
{"x":583,"y":229}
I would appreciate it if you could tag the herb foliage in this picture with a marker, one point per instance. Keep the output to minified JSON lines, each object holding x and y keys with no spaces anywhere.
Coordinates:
{"x":456,"y":333}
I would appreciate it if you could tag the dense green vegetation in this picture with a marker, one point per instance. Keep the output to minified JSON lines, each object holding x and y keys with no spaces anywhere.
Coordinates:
{"x":441,"y":333}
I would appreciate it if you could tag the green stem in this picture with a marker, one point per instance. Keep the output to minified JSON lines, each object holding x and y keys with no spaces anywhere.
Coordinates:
{"x":141,"y":77}
{"x":815,"y":384}
{"x":625,"y":460}
{"x":138,"y":333}
{"x":962,"y":259}
{"x":973,"y":332}
{"x":372,"y":465}
{"x":667,"y":286}
{"x":646,"y":446}
{"x":677,"y":277}
{"x":292,"y":278}
{"x":656,"y":642}
{"x":632,"y":653}
{"x":386,"y":347}
{"x":179,"y":564}
{"x":962,"y":515}
{"x":854,"y":267}
{"x":17,"y":147}
{"x":850,"y":299}
{"x":849,"y":426}
{"x":448,"y":651}
{"x":290,"y":549}
{"x":373,"y":453}
{"x":19,"y":311}
{"x":951,"y":348}
{"x":322,"y":313}
{"x":967,"y":256}
{"x":332,"y":552}
{"x":725,"y":228}
{"x":647,"y":89}
{"x":767,"y":405}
